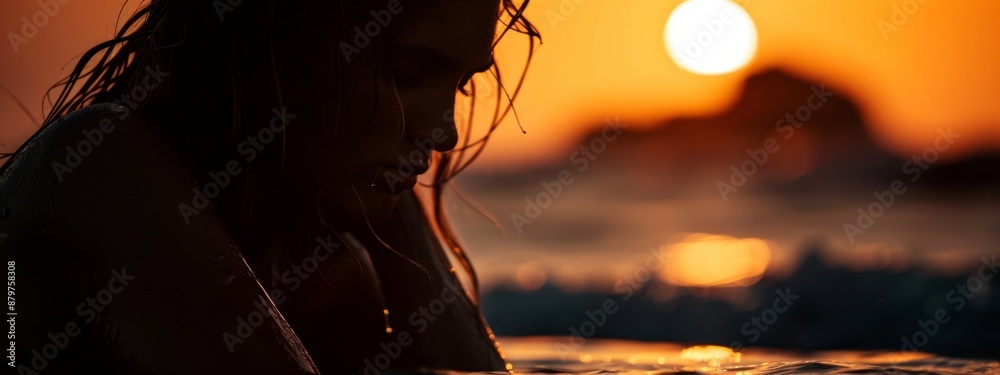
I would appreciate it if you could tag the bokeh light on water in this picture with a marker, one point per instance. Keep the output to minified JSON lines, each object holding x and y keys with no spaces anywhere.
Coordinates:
{"x":706,"y":260}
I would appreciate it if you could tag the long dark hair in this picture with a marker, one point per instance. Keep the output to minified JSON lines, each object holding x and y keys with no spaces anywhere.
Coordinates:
{"x":149,"y":37}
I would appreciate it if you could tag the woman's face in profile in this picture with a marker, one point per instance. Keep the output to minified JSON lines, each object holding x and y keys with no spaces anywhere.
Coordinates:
{"x":398,"y":100}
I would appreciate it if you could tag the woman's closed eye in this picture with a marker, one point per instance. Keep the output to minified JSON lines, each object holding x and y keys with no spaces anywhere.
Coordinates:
{"x":413,"y":78}
{"x":413,"y":68}
{"x":465,"y":82}
{"x":408,"y":76}
{"x":468,"y":77}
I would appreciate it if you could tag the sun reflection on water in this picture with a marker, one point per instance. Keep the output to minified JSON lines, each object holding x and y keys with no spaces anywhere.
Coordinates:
{"x":553,"y":355}
{"x":706,"y":260}
{"x":710,"y":355}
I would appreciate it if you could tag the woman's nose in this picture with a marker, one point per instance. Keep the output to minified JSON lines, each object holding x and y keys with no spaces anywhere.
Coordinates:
{"x":434,"y":124}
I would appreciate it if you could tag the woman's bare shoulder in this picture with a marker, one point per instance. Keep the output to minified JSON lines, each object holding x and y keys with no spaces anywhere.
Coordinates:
{"x":100,"y":165}
{"x":99,"y":192}
{"x":69,"y":141}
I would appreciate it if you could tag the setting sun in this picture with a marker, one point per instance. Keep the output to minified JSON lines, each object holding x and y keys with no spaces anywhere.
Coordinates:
{"x":710,"y":37}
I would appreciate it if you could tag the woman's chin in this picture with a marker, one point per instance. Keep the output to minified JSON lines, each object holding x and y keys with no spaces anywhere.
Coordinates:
{"x":370,"y":206}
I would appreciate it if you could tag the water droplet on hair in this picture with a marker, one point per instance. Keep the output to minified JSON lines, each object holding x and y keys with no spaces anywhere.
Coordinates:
{"x":388,"y":326}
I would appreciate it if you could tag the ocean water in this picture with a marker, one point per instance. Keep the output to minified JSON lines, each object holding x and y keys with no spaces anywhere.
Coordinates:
{"x":559,"y":355}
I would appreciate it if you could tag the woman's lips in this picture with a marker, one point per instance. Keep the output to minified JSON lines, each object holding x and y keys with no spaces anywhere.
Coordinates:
{"x":400,"y":177}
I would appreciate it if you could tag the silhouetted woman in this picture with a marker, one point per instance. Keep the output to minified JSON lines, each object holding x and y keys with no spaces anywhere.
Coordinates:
{"x":227,"y":187}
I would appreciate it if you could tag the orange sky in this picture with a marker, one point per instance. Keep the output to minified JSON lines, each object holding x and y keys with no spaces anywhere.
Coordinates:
{"x":606,"y":58}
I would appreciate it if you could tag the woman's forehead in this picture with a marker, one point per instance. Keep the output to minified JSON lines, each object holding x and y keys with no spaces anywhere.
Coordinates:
{"x":461,"y":29}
